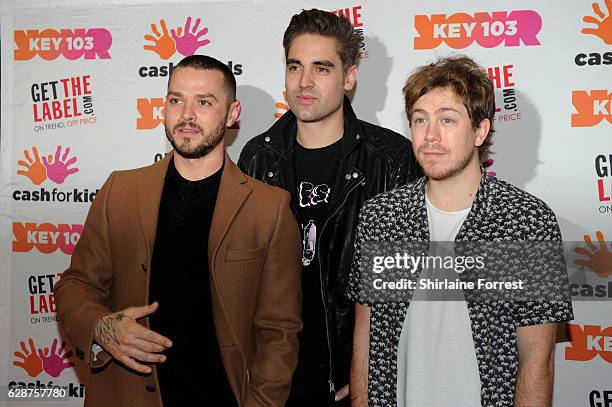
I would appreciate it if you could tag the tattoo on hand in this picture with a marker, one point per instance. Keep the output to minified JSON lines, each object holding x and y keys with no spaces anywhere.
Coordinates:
{"x":120,"y":316}
{"x":105,"y":331}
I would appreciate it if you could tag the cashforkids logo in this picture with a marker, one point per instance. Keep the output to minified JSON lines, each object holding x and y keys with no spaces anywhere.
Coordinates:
{"x":166,"y":43}
{"x":62,"y":103}
{"x":55,"y":169}
{"x":589,"y":341}
{"x":354,"y":15}
{"x":45,"y":237}
{"x":34,"y":361}
{"x":72,"y":44}
{"x":603,"y":31}
{"x":592,"y":107}
{"x":489,"y":30}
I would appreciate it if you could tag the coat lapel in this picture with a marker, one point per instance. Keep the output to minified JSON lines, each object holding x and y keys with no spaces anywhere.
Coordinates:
{"x":232,"y":194}
{"x":150,"y":186}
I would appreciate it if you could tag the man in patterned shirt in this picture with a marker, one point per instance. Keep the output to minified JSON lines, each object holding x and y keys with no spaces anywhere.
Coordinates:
{"x":453,"y":353}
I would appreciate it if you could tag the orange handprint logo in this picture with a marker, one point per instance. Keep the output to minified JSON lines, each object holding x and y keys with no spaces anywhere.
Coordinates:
{"x":35,"y":170}
{"x":604,"y":24}
{"x":282,"y":107}
{"x":599,"y":260}
{"x":30,"y":362}
{"x":163,"y":44}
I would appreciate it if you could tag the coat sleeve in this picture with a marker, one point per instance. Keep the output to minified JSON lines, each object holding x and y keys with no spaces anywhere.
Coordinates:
{"x":277,"y":319}
{"x":81,"y":292}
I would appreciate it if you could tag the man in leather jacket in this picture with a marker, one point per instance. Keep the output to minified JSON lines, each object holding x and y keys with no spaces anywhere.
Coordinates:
{"x":330,"y":162}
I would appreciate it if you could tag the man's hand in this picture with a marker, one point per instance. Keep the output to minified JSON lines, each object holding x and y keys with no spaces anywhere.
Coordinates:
{"x":129,"y":342}
{"x":342,"y":393}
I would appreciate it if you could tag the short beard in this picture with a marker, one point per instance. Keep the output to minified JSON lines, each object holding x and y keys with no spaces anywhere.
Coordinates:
{"x":210,"y":140}
{"x":445,"y":173}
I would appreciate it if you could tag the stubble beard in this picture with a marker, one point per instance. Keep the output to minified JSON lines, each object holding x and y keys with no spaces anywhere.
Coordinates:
{"x":188,"y":149}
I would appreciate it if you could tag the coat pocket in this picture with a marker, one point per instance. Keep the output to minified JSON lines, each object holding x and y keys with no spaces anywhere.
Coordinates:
{"x":245,"y":254}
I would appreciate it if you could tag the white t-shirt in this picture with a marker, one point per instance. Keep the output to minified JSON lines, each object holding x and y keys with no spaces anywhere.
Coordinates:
{"x":436,"y":359}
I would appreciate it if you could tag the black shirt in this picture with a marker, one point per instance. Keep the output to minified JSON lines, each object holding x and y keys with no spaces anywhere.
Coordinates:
{"x":315,"y":171}
{"x":180,"y":281}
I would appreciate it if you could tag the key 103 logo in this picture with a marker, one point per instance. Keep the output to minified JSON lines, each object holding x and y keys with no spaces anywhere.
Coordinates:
{"x":592,"y":107}
{"x":45,"y":237}
{"x":589,"y":341}
{"x":487,"y":29}
{"x":72,"y":44}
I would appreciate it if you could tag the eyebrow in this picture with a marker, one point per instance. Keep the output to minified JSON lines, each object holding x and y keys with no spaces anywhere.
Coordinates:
{"x":199,"y":95}
{"x":440,"y":110}
{"x":323,"y":62}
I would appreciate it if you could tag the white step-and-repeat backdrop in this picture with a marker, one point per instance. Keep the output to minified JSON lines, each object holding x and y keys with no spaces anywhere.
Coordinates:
{"x":82,"y":95}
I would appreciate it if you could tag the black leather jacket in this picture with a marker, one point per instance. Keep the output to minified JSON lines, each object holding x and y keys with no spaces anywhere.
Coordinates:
{"x":374,"y":159}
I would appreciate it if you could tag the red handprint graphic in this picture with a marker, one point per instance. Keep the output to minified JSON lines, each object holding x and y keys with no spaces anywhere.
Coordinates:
{"x":163,"y":44}
{"x":34,"y":169}
{"x":55,"y":363}
{"x":31,"y":363}
{"x":604,"y":26}
{"x":599,"y":259}
{"x":57,"y":170}
{"x":189,"y":43}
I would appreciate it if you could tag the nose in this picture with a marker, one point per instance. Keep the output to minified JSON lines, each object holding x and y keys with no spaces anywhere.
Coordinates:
{"x":188,"y":113}
{"x":432,"y":133}
{"x":306,"y":79}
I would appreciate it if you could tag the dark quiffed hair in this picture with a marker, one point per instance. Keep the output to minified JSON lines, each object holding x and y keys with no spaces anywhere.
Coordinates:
{"x":205,"y":62}
{"x":469,"y":82}
{"x":326,"y":24}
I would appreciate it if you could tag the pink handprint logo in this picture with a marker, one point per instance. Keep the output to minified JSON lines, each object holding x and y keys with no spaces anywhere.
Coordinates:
{"x":55,"y":363}
{"x":34,"y":361}
{"x":186,"y":40}
{"x":56,"y":169}
{"x":487,"y":164}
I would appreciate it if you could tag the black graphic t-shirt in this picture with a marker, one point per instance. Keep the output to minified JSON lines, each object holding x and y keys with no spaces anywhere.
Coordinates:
{"x":315,"y":171}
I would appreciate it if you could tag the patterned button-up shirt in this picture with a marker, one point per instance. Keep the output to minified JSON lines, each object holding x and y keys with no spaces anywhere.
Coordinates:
{"x":500,"y":213}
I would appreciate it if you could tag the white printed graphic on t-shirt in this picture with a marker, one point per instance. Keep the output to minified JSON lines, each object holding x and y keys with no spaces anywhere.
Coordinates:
{"x":311,"y":195}
{"x":309,"y":243}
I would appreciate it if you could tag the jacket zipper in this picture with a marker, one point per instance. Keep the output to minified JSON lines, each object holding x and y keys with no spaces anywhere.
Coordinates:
{"x":330,"y":380}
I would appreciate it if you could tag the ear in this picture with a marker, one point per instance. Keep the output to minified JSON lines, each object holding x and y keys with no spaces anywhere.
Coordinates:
{"x":233,"y":113}
{"x":350,"y":77}
{"x":482,"y":131}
